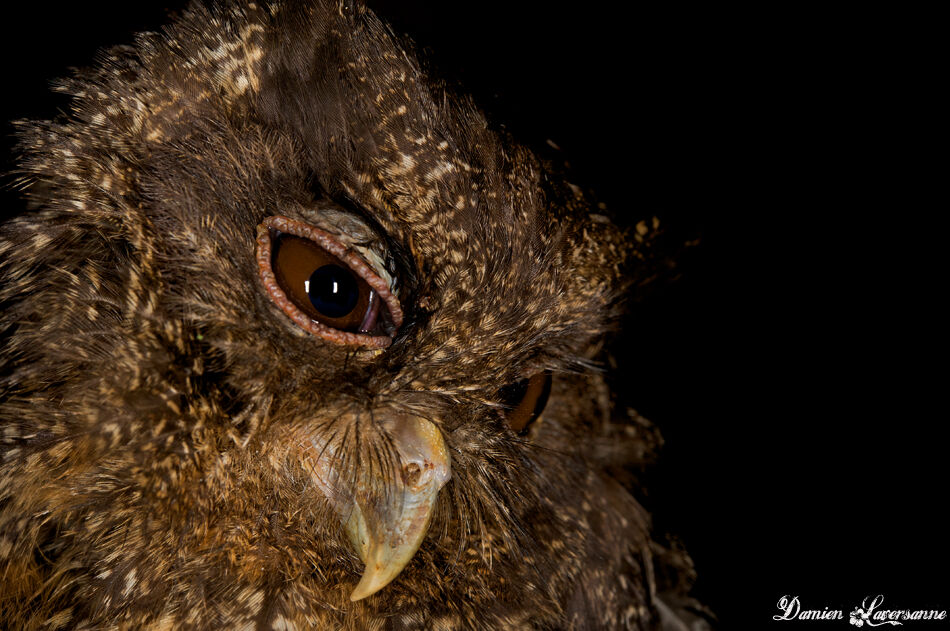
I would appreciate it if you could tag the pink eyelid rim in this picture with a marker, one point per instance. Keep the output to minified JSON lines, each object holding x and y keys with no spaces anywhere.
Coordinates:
{"x":353,"y":260}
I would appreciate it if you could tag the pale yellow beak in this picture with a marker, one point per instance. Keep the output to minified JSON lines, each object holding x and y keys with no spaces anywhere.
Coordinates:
{"x":386,"y":530}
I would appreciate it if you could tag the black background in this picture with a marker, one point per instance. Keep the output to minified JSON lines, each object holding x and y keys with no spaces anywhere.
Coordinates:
{"x":798,"y":367}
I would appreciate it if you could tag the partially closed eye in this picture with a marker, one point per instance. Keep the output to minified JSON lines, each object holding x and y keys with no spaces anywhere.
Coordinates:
{"x":525,"y":400}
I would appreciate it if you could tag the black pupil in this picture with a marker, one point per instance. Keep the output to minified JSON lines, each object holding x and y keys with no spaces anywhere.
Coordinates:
{"x":512,"y":394}
{"x":333,"y":291}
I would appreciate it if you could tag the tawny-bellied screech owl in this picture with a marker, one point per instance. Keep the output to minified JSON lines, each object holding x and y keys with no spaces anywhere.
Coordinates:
{"x":293,"y":339}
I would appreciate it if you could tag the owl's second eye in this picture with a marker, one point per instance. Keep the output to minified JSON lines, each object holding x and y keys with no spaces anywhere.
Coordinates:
{"x":525,"y":400}
{"x":325,"y":287}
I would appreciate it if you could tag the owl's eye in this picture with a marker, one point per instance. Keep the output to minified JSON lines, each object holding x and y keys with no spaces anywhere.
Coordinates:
{"x":325,"y":287}
{"x":525,"y":400}
{"x":322,"y":286}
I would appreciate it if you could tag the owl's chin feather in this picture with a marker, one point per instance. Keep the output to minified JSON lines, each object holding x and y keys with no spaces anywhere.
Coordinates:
{"x":386,"y":514}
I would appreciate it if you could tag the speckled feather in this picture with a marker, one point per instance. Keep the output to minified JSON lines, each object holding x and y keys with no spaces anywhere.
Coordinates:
{"x":156,"y":404}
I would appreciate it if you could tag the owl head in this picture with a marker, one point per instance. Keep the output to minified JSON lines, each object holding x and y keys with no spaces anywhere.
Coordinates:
{"x":293,"y":336}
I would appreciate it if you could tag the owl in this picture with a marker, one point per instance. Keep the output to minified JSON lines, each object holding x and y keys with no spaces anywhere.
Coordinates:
{"x":293,"y":338}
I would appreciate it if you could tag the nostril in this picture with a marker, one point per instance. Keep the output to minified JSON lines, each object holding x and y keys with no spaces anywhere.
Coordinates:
{"x":411,"y":473}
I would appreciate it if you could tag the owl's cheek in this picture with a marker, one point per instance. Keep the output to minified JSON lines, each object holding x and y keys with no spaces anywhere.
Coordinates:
{"x":384,"y":503}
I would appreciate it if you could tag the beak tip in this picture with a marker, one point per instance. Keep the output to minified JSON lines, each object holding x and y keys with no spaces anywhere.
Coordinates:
{"x":369,"y":584}
{"x":386,"y":534}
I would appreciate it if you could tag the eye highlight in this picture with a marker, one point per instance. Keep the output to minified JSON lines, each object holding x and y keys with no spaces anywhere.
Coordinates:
{"x":525,"y":400}
{"x":324,"y":286}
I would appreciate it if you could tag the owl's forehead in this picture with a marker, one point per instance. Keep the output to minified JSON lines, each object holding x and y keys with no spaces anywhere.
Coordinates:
{"x":368,"y":124}
{"x":423,"y":162}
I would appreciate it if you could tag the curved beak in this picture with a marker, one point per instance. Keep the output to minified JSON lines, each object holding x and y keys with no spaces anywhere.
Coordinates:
{"x":386,"y":529}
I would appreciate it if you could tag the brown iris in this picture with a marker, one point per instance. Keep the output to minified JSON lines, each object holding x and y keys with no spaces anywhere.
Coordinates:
{"x":323,"y":286}
{"x":526,"y":400}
